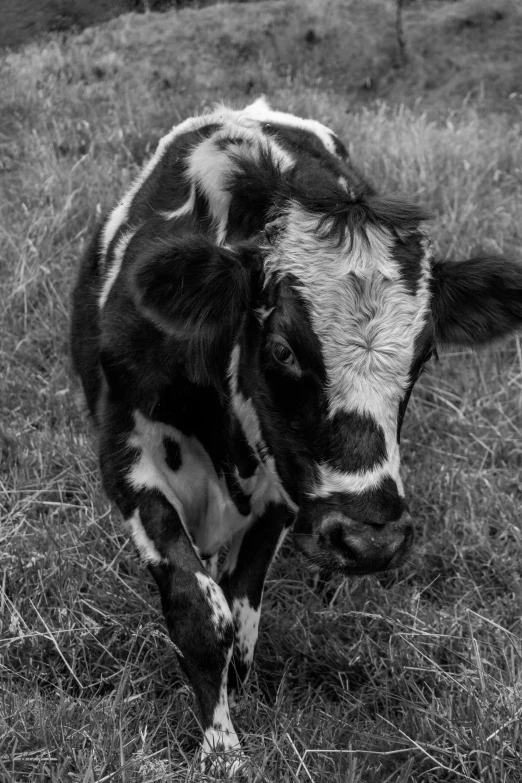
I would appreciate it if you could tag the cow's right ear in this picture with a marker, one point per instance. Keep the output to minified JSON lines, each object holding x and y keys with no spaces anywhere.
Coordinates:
{"x":197,"y":292}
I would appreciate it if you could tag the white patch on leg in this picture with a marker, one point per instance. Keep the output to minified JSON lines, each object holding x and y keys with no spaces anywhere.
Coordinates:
{"x":221,"y":751}
{"x":246,"y":629}
{"x":215,"y":598}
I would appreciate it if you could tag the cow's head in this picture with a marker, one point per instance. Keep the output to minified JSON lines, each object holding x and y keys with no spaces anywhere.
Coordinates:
{"x":317,"y":334}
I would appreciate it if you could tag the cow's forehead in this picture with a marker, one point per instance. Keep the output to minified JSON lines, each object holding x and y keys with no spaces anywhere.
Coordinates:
{"x":365,"y":315}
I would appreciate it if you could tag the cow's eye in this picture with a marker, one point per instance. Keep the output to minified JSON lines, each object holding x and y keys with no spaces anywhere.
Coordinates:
{"x":283,"y":354}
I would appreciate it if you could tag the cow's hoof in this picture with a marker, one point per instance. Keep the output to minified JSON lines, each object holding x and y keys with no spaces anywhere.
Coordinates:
{"x":233,"y":699}
{"x":225,"y":763}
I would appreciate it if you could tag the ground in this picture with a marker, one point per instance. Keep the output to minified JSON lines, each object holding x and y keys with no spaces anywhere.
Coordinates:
{"x":412,"y":676}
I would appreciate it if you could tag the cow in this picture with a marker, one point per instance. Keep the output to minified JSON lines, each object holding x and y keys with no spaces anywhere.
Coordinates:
{"x":248,"y":324}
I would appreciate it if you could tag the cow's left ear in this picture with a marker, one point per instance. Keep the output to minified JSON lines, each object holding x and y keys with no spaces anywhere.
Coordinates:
{"x":196,"y":292}
{"x":476,"y":301}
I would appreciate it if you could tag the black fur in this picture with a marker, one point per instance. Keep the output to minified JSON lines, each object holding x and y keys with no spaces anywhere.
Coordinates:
{"x":476,"y":301}
{"x":172,"y":454}
{"x":197,"y":293}
{"x":253,"y":185}
{"x":352,"y":442}
{"x":407,"y":252}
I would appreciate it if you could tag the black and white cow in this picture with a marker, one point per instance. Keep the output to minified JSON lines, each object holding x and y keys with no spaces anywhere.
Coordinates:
{"x":248,"y":324}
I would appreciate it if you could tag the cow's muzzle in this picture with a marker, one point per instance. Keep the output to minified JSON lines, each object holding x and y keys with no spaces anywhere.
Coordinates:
{"x":342,"y":544}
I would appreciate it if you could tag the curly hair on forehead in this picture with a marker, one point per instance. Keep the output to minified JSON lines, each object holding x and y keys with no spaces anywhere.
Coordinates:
{"x":343,"y":202}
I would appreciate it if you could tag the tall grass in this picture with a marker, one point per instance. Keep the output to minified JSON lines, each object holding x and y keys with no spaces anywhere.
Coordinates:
{"x":406,"y":677}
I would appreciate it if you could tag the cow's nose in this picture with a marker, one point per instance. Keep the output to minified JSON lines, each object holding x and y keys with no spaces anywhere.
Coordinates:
{"x":379,"y":515}
{"x":363,"y":546}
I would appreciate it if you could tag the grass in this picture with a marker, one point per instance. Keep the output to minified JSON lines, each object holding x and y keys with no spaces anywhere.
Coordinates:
{"x":407,"y":677}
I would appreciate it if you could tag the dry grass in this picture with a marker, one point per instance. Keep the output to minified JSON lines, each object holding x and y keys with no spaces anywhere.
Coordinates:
{"x":409,"y":677}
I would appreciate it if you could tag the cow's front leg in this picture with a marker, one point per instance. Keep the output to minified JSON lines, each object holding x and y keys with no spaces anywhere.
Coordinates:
{"x":199,"y":622}
{"x":243,"y":583}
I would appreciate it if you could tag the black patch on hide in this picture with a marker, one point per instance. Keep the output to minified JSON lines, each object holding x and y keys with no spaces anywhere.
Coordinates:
{"x":408,"y":252}
{"x":172,"y":454}
{"x":352,"y":442}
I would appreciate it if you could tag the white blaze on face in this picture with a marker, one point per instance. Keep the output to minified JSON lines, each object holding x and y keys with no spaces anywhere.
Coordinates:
{"x":366,"y":322}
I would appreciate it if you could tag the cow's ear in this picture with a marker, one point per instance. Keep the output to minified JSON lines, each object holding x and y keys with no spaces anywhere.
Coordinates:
{"x":197,"y":293}
{"x":476,"y":301}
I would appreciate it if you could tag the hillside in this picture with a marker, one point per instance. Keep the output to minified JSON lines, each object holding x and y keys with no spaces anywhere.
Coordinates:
{"x":456,"y":50}
{"x":24,"y":21}
{"x":412,"y":677}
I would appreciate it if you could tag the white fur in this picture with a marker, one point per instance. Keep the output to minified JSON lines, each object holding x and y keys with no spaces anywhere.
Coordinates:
{"x":115,"y":267}
{"x":246,"y":628}
{"x":280,"y":542}
{"x":265,"y":487}
{"x":365,"y":319}
{"x":210,"y":167}
{"x":216,"y":600}
{"x":332,"y":480}
{"x":244,"y":408}
{"x":221,"y":751}
{"x":146,"y":548}
{"x":262,"y":111}
{"x":199,"y":496}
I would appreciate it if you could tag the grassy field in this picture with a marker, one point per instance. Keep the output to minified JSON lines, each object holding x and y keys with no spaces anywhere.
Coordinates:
{"x":414,"y":677}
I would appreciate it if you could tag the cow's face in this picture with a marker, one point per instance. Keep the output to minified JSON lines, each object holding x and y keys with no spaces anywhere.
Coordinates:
{"x":317,"y":340}
{"x":345,"y":329}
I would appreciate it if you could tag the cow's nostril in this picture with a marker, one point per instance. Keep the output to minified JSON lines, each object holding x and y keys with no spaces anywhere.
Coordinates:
{"x":341,"y":539}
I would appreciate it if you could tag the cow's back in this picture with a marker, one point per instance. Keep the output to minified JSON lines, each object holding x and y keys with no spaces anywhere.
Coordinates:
{"x":219,"y":175}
